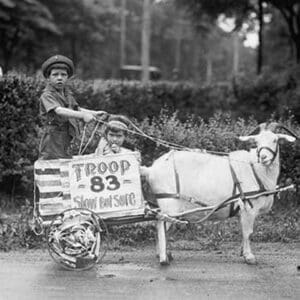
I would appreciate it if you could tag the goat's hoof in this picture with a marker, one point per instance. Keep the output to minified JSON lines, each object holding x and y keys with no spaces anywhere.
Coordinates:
{"x":165,"y":262}
{"x":250,"y":259}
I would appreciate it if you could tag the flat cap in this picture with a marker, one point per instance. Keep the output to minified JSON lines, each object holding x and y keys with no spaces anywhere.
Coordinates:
{"x":57,"y":61}
{"x":118,"y":122}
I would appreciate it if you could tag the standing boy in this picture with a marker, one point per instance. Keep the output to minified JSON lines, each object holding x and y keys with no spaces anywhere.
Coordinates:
{"x":59,"y":110}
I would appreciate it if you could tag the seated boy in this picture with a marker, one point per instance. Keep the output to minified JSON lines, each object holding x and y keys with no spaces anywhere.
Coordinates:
{"x":112,"y":143}
{"x":114,"y":136}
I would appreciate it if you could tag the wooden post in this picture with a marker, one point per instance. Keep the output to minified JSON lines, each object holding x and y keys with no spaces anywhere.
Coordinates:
{"x":260,"y":37}
{"x":123,"y":34}
{"x":236,"y":53}
{"x":146,"y":41}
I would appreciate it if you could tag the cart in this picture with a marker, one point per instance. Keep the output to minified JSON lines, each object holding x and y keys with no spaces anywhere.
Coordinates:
{"x":75,"y":200}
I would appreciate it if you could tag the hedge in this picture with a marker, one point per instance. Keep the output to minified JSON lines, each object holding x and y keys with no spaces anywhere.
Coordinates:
{"x":171,"y":111}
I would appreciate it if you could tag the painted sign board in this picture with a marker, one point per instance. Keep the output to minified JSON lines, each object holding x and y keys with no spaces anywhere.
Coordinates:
{"x":103,"y":184}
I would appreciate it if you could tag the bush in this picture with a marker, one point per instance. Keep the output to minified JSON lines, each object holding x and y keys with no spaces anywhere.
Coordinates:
{"x":268,"y":94}
{"x":16,"y":229}
{"x":179,"y":122}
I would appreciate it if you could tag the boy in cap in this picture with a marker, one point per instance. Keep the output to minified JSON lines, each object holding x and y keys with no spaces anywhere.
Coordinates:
{"x":114,"y":136}
{"x":59,"y":110}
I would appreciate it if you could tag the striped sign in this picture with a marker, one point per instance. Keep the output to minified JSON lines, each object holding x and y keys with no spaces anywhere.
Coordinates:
{"x":52,"y":181}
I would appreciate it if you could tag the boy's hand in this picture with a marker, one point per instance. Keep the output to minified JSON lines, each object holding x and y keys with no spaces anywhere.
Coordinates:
{"x":115,"y":148}
{"x":88,"y":117}
{"x":101,"y":114}
{"x":112,"y":149}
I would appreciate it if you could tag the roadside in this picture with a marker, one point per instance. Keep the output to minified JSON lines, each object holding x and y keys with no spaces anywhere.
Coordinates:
{"x":279,"y":225}
{"x":134,"y":273}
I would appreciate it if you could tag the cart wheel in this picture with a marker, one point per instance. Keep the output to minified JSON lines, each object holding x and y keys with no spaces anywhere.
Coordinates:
{"x":74,"y":239}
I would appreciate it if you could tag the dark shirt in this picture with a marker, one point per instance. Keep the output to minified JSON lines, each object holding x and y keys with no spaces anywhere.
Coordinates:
{"x":51,"y":99}
{"x":58,"y":131}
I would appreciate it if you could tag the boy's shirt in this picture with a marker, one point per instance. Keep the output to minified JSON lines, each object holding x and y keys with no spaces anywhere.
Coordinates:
{"x":49,"y":101}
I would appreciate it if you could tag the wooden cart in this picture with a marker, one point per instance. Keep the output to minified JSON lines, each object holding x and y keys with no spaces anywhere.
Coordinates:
{"x":75,"y":199}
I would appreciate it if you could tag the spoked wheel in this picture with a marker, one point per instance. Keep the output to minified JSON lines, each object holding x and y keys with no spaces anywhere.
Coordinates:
{"x":74,"y":239}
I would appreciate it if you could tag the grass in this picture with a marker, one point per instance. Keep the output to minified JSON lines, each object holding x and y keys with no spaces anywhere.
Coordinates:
{"x":279,"y":225}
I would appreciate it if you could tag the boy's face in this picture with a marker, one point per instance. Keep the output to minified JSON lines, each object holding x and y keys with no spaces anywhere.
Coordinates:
{"x":115,"y":140}
{"x":58,"y":77}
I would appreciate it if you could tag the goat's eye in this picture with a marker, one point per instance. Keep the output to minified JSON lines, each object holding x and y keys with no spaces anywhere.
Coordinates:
{"x":275,"y":141}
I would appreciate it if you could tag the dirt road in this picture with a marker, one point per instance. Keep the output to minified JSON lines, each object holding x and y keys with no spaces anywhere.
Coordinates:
{"x":135,"y":274}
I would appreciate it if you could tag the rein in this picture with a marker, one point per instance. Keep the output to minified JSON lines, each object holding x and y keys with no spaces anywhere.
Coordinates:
{"x":244,"y":196}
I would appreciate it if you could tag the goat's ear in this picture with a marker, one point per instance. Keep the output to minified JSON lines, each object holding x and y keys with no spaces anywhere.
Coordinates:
{"x":286,"y":137}
{"x":249,"y":138}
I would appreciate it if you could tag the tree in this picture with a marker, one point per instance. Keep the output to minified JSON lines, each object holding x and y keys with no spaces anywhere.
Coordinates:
{"x":290,"y":10}
{"x":88,"y":27}
{"x":20,"y":22}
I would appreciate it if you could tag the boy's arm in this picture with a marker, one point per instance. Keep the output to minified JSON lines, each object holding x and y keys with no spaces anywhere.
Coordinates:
{"x":86,"y":116}
{"x":96,"y":113}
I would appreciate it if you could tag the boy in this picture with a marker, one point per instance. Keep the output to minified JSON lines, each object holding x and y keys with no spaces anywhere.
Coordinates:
{"x":114,"y":136}
{"x":59,"y":110}
{"x":112,"y":142}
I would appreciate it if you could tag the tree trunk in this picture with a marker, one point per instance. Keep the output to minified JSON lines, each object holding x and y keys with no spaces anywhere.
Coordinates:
{"x":236,"y":54}
{"x":146,"y":41}
{"x":291,"y":14}
{"x":209,"y":69}
{"x":196,"y":57}
{"x":123,"y":34}
{"x":260,"y":37}
{"x":9,"y":45}
{"x":7,"y":56}
{"x":297,"y":46}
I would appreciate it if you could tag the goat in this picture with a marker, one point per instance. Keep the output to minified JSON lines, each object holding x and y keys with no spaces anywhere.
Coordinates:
{"x":207,"y":179}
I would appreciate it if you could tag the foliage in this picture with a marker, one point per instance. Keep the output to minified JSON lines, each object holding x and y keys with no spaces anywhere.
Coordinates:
{"x":291,"y":14}
{"x":241,"y":10}
{"x":16,"y":229}
{"x":19,"y":142}
{"x":88,"y":31}
{"x":277,"y":93}
{"x":280,"y":225}
{"x":188,"y":117}
{"x":86,"y":26}
{"x":213,"y":9}
{"x":21,"y":23}
{"x":218,"y":134}
{"x":18,"y":124}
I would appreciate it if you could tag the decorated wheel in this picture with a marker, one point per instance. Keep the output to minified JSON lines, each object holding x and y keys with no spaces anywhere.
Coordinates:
{"x":74,"y":239}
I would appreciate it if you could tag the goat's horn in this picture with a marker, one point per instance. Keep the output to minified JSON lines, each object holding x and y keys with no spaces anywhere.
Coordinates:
{"x":289,"y":131}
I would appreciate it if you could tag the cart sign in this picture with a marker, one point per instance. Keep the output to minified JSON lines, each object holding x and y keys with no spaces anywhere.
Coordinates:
{"x":105,"y":183}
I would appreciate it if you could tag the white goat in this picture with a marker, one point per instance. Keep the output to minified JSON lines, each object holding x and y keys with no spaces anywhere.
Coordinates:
{"x":208,"y":180}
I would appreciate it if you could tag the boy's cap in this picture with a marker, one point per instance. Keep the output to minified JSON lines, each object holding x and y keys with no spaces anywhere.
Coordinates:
{"x":118,"y":122}
{"x":58,"y":61}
